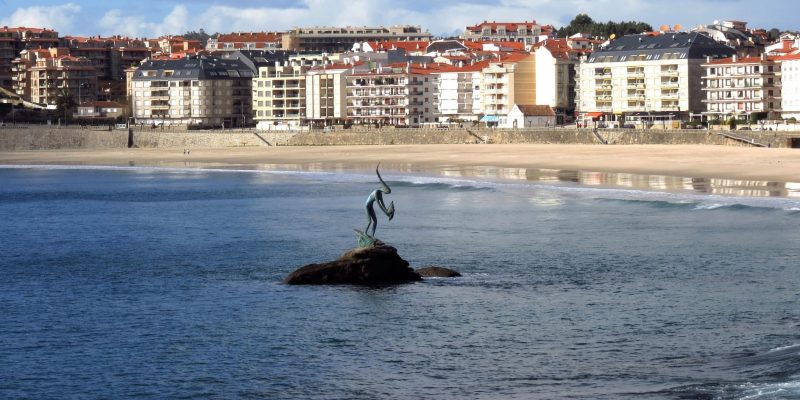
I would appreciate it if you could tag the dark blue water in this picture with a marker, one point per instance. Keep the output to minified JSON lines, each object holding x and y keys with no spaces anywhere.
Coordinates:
{"x":146,"y":283}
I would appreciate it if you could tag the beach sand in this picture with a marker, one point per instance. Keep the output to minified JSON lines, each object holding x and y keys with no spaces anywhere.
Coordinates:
{"x":762,"y":164}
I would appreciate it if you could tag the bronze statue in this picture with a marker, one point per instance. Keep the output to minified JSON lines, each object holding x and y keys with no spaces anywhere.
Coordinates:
{"x":365,"y":239}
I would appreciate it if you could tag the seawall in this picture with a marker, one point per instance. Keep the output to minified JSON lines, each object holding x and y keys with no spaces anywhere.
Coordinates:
{"x":37,"y":137}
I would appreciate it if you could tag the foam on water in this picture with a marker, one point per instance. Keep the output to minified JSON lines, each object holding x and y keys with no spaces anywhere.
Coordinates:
{"x":695,"y":201}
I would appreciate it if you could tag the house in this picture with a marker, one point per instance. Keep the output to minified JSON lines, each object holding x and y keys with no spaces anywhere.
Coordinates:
{"x":100,"y":109}
{"x":528,"y":116}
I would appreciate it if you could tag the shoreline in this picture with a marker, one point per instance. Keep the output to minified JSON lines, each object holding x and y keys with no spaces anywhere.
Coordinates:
{"x":690,"y":161}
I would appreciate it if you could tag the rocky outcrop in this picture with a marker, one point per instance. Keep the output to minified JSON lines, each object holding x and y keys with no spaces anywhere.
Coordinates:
{"x":365,"y":266}
{"x":437,"y":272}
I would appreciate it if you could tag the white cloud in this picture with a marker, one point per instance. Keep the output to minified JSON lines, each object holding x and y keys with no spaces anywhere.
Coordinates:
{"x":445,"y":17}
{"x":60,"y":18}
{"x":116,"y":22}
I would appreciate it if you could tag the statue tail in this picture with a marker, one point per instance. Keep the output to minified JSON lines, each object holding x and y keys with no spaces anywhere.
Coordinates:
{"x":384,"y":187}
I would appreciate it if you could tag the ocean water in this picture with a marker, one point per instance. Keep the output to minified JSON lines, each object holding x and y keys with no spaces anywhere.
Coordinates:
{"x":144,"y":283}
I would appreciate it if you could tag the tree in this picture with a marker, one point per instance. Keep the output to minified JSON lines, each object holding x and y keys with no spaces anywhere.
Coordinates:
{"x":582,"y":23}
{"x":65,"y":101}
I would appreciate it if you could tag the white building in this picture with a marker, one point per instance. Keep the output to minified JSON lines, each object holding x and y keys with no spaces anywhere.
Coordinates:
{"x":458,"y":95}
{"x":741,"y":87}
{"x":555,"y":76}
{"x":394,"y":95}
{"x":202,"y":90}
{"x":646,"y":77}
{"x":790,"y":85}
{"x":528,"y":116}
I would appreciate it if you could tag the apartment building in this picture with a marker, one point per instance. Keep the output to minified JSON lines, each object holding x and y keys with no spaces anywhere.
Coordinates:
{"x":790,"y":86}
{"x":200,"y":90}
{"x":279,"y":96}
{"x":524,"y":32}
{"x":245,"y":41}
{"x":556,"y":61}
{"x":507,"y":81}
{"x":740,"y":87}
{"x":397,"y":95}
{"x":326,"y":92}
{"x":339,"y":40}
{"x":646,"y":77}
{"x":14,"y":40}
{"x":48,"y":74}
{"x":458,"y":96}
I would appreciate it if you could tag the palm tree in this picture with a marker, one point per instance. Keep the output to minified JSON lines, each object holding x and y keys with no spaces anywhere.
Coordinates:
{"x":65,"y":101}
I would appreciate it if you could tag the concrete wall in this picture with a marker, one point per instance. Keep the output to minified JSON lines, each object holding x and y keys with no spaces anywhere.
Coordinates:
{"x":42,"y":138}
{"x":46,"y":138}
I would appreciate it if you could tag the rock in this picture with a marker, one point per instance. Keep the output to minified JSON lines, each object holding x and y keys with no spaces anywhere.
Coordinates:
{"x":365,"y":266}
{"x":437,"y":272}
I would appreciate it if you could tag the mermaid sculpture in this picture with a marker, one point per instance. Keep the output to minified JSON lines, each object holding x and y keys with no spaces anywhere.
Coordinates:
{"x":365,"y":239}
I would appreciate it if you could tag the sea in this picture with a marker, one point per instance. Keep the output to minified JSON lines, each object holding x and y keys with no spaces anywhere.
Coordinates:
{"x":154,"y":282}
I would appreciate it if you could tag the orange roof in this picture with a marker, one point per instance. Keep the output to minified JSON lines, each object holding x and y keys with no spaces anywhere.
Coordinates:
{"x":518,"y":46}
{"x":742,"y":60}
{"x":397,"y":44}
{"x":536,"y":110}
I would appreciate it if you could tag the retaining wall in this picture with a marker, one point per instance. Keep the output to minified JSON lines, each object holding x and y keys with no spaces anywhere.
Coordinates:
{"x":35,"y":137}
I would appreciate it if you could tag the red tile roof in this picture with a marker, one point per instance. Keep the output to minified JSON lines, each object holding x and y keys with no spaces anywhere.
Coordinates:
{"x":537,"y":110}
{"x":397,"y":44}
{"x":741,"y":60}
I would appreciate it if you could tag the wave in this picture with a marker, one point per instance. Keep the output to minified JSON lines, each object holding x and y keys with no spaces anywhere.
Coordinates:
{"x":661,"y":199}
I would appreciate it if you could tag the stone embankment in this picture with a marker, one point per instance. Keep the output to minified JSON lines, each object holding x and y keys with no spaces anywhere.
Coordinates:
{"x":39,"y":137}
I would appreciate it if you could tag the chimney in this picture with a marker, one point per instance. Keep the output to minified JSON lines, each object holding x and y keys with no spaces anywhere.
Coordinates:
{"x":735,"y":58}
{"x":764,"y":57}
{"x":708,"y":59}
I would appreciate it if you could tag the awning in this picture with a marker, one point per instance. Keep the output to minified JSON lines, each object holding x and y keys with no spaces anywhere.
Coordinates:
{"x":593,"y":114}
{"x":490,"y":118}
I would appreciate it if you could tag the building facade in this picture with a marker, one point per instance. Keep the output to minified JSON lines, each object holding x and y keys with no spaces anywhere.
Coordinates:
{"x":245,"y":41}
{"x":525,"y":32}
{"x":459,"y":92}
{"x":339,"y":40}
{"x":395,"y":95}
{"x":14,"y":40}
{"x":42,"y":76}
{"x":508,"y":81}
{"x":556,"y":64}
{"x":740,"y":87}
{"x":205,"y":91}
{"x":646,"y":77}
{"x":790,"y":86}
{"x":279,"y":96}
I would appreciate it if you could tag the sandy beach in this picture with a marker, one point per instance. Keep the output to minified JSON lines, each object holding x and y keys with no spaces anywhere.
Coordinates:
{"x":763,"y":164}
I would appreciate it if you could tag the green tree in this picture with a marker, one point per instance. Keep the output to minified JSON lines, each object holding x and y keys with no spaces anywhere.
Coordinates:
{"x":582,"y":23}
{"x":65,"y":102}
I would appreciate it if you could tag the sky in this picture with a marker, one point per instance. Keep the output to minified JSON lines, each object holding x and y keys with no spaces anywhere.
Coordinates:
{"x":152,"y":18}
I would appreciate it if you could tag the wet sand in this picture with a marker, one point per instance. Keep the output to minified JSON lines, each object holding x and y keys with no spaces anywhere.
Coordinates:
{"x":671,"y":160}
